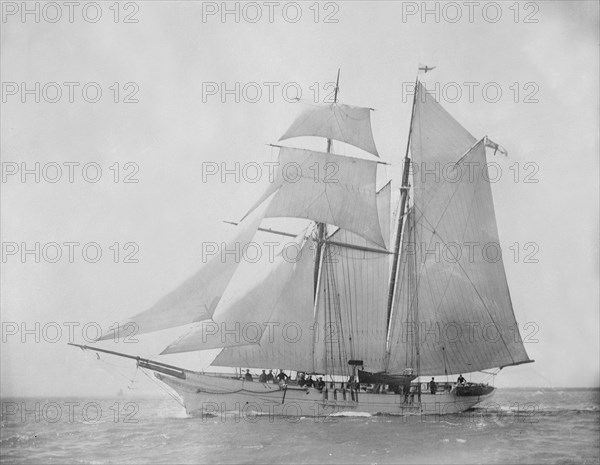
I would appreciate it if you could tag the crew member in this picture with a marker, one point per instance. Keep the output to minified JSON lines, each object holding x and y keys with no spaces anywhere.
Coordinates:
{"x":282,"y":377}
{"x":270,"y":377}
{"x":301,"y":380}
{"x":320,"y":384}
{"x":432,"y":386}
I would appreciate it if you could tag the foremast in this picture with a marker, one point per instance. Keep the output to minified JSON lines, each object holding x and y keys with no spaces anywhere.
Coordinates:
{"x":321,"y":249}
{"x":321,"y":227}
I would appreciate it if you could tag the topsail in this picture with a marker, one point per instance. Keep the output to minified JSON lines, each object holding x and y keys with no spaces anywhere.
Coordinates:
{"x":326,"y":188}
{"x":344,"y":123}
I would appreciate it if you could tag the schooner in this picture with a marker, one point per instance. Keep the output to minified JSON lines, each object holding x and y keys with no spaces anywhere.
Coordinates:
{"x":372,"y":302}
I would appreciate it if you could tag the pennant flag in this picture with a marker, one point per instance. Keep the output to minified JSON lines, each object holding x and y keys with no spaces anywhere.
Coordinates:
{"x":497,"y":147}
{"x":425,"y":68}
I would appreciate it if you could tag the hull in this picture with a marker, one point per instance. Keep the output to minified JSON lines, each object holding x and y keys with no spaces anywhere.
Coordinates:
{"x":203,"y":394}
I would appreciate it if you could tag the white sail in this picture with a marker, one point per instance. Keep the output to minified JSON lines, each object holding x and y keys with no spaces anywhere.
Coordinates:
{"x":465,"y":315}
{"x":352,"y":310}
{"x":288,"y":342}
{"x":245,"y":310}
{"x":384,"y":209}
{"x":337,"y":121}
{"x":437,"y":140}
{"x":402,"y":350}
{"x":197,"y":298}
{"x":362,"y":280}
{"x":326,"y":188}
{"x":353,"y":305}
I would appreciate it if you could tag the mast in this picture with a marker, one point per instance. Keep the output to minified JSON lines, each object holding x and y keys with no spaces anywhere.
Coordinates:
{"x":403,"y":201}
{"x":321,"y":233}
{"x":321,"y":226}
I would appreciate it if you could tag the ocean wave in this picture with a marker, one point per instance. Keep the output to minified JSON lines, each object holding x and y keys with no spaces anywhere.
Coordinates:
{"x":351,"y":414}
{"x":528,"y":409}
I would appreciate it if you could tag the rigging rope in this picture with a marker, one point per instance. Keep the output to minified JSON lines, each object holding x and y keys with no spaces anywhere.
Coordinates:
{"x":105,"y":364}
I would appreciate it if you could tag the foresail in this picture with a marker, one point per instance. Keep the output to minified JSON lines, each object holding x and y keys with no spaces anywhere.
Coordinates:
{"x":352,"y":311}
{"x":246,"y":309}
{"x":326,"y":188}
{"x":352,"y":315}
{"x":197,"y":298}
{"x":337,"y":121}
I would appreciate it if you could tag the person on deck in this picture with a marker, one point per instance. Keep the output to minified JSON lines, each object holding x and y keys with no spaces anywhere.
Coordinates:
{"x":353,"y":383}
{"x":282,"y":377}
{"x":320,"y":384}
{"x":248,"y":376}
{"x":301,"y":380}
{"x":309,"y":381}
{"x":461,"y":380}
{"x":270,"y":377}
{"x":263,"y":377}
{"x":432,"y":386}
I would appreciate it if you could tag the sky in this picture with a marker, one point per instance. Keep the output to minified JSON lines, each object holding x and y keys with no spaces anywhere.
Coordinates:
{"x":160,"y":119}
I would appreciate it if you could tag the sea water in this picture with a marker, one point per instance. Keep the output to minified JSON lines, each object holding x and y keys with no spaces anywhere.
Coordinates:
{"x":515,"y":426}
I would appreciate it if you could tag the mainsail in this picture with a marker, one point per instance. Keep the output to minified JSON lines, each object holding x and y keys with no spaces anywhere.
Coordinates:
{"x":457,"y":282}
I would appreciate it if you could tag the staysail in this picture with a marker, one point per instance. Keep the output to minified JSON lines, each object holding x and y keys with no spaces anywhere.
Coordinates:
{"x":287,"y":342}
{"x":197,"y":298}
{"x":465,"y":316}
{"x":245,"y":311}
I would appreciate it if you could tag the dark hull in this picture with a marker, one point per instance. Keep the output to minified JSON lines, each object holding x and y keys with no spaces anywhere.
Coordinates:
{"x":473,"y":390}
{"x":384,"y":378}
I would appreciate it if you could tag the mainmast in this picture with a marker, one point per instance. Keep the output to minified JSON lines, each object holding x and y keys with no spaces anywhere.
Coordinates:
{"x":403,"y":202}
